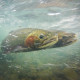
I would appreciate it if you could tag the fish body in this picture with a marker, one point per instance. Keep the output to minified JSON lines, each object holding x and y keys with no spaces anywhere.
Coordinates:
{"x":30,"y":39}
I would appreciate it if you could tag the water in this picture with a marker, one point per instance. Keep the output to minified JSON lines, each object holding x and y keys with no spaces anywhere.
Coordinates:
{"x":50,"y":64}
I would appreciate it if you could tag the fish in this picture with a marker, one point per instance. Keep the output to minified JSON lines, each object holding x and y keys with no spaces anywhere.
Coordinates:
{"x":32,"y":39}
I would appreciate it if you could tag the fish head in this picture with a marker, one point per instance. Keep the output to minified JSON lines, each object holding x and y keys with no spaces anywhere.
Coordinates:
{"x":39,"y":39}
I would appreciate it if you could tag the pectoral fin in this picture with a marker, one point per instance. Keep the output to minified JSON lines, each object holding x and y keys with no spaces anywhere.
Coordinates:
{"x":20,"y":49}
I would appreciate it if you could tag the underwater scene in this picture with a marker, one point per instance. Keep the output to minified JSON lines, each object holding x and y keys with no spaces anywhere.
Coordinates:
{"x":59,"y":63}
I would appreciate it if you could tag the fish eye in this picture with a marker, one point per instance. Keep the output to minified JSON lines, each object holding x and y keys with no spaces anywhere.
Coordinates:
{"x":41,"y":36}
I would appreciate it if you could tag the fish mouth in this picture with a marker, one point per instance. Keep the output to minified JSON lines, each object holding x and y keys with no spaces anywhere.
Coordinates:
{"x":69,"y":39}
{"x":72,"y":39}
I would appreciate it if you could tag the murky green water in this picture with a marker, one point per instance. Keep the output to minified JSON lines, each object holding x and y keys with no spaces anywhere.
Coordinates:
{"x":49,"y":64}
